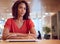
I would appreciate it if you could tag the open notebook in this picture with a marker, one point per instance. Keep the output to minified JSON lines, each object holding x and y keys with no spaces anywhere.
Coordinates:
{"x":22,"y":40}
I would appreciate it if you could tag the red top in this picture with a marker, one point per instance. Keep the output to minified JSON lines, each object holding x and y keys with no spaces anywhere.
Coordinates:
{"x":11,"y":25}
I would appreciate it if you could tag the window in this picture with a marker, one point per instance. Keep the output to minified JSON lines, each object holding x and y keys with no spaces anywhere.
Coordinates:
{"x":1,"y":26}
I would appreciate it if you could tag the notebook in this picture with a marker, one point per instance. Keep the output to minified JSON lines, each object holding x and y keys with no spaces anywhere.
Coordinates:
{"x":22,"y":40}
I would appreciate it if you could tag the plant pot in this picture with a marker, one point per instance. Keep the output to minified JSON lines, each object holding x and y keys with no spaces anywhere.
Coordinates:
{"x":46,"y":36}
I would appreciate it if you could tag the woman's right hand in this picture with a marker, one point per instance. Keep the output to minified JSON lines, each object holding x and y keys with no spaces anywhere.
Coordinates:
{"x":11,"y":35}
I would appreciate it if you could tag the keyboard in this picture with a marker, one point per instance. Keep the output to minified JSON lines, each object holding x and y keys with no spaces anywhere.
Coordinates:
{"x":22,"y":40}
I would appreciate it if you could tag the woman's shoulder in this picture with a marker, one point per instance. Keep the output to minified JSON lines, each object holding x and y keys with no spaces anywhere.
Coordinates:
{"x":10,"y":19}
{"x":29,"y":21}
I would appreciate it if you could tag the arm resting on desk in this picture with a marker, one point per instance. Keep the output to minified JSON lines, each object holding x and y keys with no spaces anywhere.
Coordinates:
{"x":22,"y":36}
{"x":8,"y":35}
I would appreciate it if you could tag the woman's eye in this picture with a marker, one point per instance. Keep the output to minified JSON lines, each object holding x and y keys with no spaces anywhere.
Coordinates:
{"x":20,"y":7}
{"x":24,"y":8}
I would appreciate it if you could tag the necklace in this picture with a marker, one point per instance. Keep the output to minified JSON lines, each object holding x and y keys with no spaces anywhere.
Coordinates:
{"x":19,"y":23}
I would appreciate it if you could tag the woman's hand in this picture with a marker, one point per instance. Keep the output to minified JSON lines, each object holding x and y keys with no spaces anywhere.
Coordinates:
{"x":31,"y":36}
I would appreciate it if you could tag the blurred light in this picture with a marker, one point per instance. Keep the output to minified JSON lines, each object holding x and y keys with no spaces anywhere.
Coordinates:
{"x":2,"y":18}
{"x":44,"y":16}
{"x":7,"y":10}
{"x":46,"y":13}
{"x":10,"y":13}
{"x":28,"y":2}
{"x":36,"y":6}
{"x":52,"y":13}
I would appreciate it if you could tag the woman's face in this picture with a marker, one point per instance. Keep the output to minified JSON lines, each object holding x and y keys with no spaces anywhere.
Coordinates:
{"x":21,"y":9}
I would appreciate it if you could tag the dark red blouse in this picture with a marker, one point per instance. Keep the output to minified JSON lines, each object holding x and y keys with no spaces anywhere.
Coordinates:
{"x":13,"y":28}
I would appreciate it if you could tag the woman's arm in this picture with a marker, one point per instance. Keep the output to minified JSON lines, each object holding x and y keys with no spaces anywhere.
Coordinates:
{"x":8,"y":35}
{"x":5,"y":33}
{"x":33,"y":33}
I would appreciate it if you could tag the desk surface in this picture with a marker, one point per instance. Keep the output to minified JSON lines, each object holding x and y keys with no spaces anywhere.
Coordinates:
{"x":39,"y":42}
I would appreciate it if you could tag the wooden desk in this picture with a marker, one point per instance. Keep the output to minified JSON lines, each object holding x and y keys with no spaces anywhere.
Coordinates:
{"x":40,"y":42}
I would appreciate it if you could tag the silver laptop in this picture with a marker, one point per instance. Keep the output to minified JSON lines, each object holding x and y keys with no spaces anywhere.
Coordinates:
{"x":22,"y":40}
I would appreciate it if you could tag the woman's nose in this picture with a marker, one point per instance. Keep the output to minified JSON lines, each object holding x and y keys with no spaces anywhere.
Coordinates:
{"x":23,"y":10}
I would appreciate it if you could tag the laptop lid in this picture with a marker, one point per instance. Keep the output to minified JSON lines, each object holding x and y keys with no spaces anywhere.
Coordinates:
{"x":22,"y":40}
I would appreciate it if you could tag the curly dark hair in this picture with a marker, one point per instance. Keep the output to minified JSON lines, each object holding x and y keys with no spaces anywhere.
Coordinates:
{"x":15,"y":10}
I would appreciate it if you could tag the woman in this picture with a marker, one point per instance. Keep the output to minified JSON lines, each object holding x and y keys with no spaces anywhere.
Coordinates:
{"x":20,"y":26}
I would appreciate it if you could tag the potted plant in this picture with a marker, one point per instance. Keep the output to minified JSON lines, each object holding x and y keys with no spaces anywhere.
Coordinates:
{"x":46,"y":30}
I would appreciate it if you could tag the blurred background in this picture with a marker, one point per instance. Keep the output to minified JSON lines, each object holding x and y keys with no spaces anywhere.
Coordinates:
{"x":44,"y":13}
